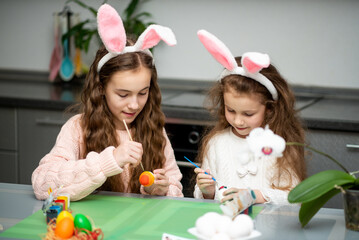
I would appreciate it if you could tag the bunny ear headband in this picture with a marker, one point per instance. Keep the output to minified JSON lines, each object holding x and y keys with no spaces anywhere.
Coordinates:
{"x":113,"y":35}
{"x":252,"y":62}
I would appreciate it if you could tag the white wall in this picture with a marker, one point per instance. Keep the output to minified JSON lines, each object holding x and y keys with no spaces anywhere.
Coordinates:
{"x":312,"y":42}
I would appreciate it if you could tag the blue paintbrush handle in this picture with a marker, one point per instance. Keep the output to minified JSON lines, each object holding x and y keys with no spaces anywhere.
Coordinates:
{"x":198,"y":167}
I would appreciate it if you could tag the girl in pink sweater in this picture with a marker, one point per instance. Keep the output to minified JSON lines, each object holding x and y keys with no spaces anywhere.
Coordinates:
{"x":93,"y":150}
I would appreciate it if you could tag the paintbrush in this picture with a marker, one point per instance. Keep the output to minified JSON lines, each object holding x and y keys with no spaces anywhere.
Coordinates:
{"x":199,"y":168}
{"x":129,"y":134}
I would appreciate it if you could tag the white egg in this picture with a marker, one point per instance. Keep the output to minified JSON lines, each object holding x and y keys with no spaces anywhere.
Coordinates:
{"x":242,"y":226}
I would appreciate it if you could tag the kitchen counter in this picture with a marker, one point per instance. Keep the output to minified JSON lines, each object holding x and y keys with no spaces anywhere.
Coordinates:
{"x":182,"y":101}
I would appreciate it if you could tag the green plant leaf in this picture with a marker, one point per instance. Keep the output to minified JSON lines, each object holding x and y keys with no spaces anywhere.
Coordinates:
{"x":91,"y":9}
{"x":318,"y":184}
{"x":309,"y":209}
{"x":84,"y":31}
{"x":87,"y":39}
{"x":130,"y":9}
{"x":139,"y":27}
{"x":146,"y":14}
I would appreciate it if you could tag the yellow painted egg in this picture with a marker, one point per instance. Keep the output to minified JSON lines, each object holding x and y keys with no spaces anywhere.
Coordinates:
{"x":147,"y":178}
{"x":64,"y":214}
{"x":82,"y":222}
{"x":65,"y":228}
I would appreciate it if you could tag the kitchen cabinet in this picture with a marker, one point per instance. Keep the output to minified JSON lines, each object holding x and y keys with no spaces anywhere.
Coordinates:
{"x":343,"y":146}
{"x":38,"y":130}
{"x":8,"y":169}
{"x":8,"y":129}
{"x":8,"y":146}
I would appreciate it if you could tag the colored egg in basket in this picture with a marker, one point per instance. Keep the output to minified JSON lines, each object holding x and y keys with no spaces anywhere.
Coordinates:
{"x":82,"y":222}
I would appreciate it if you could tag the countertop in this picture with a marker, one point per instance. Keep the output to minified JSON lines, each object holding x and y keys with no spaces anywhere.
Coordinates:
{"x":182,"y":101}
{"x":17,"y":202}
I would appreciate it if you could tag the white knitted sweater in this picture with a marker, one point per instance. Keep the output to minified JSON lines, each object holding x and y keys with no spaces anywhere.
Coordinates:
{"x":231,"y":163}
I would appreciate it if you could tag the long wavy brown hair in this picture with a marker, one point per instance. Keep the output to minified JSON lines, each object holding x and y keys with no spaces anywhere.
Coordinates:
{"x":281,"y":117}
{"x":98,"y":122}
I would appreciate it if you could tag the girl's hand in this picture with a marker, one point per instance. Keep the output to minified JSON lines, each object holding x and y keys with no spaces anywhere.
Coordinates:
{"x":230,"y":193}
{"x":205,"y":183}
{"x":128,"y":152}
{"x":160,"y":185}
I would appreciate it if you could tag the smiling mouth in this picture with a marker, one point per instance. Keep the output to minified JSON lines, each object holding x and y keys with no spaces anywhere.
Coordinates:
{"x":129,"y":114}
{"x":241,"y":128}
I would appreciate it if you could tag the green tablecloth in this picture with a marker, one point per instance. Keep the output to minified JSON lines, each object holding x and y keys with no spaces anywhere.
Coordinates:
{"x":127,"y":217}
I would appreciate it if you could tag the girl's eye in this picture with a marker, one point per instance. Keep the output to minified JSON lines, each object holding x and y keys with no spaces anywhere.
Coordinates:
{"x":230,"y":110}
{"x":143,"y":93}
{"x":123,"y":95}
{"x":248,"y":114}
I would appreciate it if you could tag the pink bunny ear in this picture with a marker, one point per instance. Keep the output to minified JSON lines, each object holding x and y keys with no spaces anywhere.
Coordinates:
{"x":110,"y":28}
{"x":153,"y":35}
{"x":254,"y":61}
{"x":218,"y":50}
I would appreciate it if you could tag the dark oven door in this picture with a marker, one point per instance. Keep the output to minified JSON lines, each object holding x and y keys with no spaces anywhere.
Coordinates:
{"x":185,"y":140}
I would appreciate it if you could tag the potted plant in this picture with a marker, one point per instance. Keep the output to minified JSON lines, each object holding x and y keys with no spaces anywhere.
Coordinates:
{"x":316,"y":190}
{"x":83,"y":31}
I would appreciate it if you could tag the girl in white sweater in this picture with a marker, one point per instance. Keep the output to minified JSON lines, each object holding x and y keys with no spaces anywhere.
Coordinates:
{"x":250,"y":93}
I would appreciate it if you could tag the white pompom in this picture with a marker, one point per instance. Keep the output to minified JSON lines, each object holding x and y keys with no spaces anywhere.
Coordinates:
{"x":223,"y":224}
{"x":207,"y":224}
{"x":220,"y":236}
{"x":244,"y":219}
{"x":242,"y":226}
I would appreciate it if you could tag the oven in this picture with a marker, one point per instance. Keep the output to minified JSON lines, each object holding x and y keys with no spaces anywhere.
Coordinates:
{"x":185,"y":139}
{"x":186,"y":122}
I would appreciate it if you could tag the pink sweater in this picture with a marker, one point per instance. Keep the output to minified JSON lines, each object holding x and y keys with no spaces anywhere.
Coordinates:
{"x":80,"y":177}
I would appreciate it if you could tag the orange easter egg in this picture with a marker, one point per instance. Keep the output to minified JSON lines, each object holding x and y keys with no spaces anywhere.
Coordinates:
{"x":65,"y":228}
{"x":147,"y":178}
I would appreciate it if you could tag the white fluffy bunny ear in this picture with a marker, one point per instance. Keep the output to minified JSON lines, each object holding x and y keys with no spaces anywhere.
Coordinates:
{"x":218,"y":49}
{"x":113,"y":35}
{"x":253,"y":62}
{"x":153,"y":35}
{"x":111,"y":29}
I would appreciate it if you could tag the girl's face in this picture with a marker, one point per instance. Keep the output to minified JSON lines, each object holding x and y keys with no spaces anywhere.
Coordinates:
{"x":244,"y":112}
{"x":127,"y":93}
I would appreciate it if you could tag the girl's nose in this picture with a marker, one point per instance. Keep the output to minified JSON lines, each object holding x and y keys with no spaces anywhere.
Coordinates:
{"x":238,"y":121}
{"x":133,"y":104}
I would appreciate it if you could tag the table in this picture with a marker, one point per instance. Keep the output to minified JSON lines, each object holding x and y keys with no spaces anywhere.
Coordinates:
{"x":18,"y":202}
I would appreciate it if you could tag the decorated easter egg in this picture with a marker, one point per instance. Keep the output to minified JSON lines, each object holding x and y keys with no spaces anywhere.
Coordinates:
{"x":147,"y":178}
{"x":82,"y":222}
{"x":64,"y":228}
{"x":64,"y":214}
